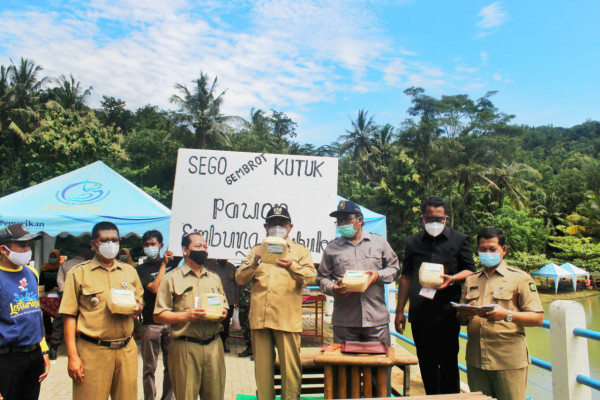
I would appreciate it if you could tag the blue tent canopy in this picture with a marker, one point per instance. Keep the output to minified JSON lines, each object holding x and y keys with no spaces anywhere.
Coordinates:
{"x":374,"y":223}
{"x":575,"y":270}
{"x":554,"y":271}
{"x":74,"y":202}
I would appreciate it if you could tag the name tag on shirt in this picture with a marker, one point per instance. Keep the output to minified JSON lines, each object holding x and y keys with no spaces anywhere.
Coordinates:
{"x":428,"y":292}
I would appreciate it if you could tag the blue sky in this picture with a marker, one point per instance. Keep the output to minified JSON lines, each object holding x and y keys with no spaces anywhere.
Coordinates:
{"x":321,"y":61}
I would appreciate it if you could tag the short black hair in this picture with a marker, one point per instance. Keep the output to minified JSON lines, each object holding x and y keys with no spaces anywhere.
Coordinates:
{"x":433,"y":201}
{"x":185,"y":239}
{"x":103,"y":226}
{"x":152,"y":234}
{"x":490,"y":233}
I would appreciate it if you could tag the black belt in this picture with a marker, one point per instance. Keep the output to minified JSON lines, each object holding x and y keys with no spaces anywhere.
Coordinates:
{"x":196,"y":340}
{"x":114,"y":344}
{"x":18,"y":349}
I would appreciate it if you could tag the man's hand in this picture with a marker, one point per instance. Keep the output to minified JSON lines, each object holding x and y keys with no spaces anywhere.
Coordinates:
{"x":223,"y":314}
{"x":137,"y":309}
{"x":497,"y":314}
{"x":373,"y":277}
{"x":340,"y":290}
{"x":168,"y":256}
{"x":283,"y":263}
{"x":257,"y":256}
{"x":195,"y":314}
{"x":463,"y":316}
{"x":448,"y":279}
{"x":75,"y":369}
{"x":400,"y":321}
{"x":46,"y":368}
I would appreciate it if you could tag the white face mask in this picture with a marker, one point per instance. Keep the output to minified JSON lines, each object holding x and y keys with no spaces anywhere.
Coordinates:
{"x":434,"y":228}
{"x":109,"y":250}
{"x":278,"y":231}
{"x":18,"y":258}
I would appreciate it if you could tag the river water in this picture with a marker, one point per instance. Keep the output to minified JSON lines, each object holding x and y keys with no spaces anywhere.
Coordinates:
{"x":539,"y":385}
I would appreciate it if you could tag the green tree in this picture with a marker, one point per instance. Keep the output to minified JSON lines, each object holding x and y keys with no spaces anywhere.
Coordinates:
{"x":200,"y":109}
{"x":69,"y":94}
{"x":511,"y":180}
{"x":586,"y":219}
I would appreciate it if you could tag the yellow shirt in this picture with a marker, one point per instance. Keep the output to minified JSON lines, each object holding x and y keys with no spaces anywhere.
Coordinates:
{"x":499,"y":345}
{"x":177,"y":292}
{"x":276,"y":301}
{"x":86,"y":295}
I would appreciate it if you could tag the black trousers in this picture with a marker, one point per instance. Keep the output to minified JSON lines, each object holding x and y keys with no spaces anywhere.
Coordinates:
{"x":226,"y":322}
{"x":19,"y":375}
{"x":437,"y":350}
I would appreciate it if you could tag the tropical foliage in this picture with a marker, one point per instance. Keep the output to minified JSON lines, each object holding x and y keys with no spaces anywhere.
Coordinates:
{"x":539,"y":184}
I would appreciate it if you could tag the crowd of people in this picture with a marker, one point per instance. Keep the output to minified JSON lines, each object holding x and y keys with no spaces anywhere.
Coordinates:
{"x":103,"y":358}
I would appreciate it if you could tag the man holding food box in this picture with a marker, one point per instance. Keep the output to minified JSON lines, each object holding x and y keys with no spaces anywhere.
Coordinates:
{"x":277,"y":269}
{"x":353,"y":269}
{"x":436,"y":261}
{"x":100,"y":299}
{"x":498,"y":302}
{"x":192,"y":300}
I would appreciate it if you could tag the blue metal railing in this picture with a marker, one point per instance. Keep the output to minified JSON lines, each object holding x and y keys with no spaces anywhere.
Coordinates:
{"x":586,"y":333}
{"x":538,"y":362}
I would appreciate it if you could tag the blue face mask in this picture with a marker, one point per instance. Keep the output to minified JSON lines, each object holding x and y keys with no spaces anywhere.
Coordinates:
{"x":346,"y":231}
{"x":152,"y":252}
{"x":490,"y":259}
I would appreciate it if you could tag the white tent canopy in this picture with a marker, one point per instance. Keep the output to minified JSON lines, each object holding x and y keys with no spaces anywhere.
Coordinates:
{"x":554,"y":271}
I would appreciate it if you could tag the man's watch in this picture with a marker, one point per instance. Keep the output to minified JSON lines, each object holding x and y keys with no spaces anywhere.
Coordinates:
{"x":509,"y":317}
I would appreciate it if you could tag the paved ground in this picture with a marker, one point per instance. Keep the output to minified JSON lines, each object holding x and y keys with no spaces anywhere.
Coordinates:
{"x":240,"y":373}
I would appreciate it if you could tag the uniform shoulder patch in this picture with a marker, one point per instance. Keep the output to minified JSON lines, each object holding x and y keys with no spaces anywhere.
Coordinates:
{"x":532,"y":287}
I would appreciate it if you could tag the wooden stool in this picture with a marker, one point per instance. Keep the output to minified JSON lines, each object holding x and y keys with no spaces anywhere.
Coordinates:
{"x":335,"y":364}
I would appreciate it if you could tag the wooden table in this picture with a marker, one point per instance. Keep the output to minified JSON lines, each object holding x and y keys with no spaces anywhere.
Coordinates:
{"x":403,"y":360}
{"x":335,"y":364}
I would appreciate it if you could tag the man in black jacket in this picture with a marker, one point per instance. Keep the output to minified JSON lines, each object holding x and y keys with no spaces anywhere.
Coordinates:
{"x":432,"y":317}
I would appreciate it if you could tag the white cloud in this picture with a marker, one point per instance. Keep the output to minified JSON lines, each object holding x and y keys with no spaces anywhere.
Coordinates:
{"x":484,"y":56}
{"x":492,"y":16}
{"x":497,"y":77}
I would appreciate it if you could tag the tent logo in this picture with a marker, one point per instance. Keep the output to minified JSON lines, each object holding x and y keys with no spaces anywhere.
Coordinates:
{"x":82,"y":193}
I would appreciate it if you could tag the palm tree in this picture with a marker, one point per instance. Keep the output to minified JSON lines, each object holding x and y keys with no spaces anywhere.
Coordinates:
{"x":549,"y":209}
{"x":200,"y":108}
{"x":383,"y":142}
{"x":511,"y":179}
{"x":69,"y":94}
{"x":586,"y":219}
{"x":359,"y":140}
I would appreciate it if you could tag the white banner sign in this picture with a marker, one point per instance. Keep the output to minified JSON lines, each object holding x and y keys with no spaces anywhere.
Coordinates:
{"x":225,"y":196}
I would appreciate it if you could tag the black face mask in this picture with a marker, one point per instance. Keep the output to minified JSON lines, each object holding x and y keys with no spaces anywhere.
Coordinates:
{"x":198,"y":256}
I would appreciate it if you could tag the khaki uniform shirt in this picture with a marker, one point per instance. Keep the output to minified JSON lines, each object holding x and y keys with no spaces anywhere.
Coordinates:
{"x":177,"y":292}
{"x":499,"y":345}
{"x":86,"y":295}
{"x":276,"y":301}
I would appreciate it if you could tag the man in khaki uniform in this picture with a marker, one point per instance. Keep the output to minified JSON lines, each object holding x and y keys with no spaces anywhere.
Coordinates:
{"x":196,"y":359}
{"x":103,"y":359}
{"x":497,"y":356}
{"x":276,"y":308}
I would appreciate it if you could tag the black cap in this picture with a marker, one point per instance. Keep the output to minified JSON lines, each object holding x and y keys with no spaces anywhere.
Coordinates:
{"x":346,"y":206}
{"x":278,"y":212}
{"x":17,"y":233}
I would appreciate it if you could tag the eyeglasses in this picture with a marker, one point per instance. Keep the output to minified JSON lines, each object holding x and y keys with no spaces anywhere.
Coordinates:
{"x":344,"y":221}
{"x":434,"y":219}
{"x":107,"y":240}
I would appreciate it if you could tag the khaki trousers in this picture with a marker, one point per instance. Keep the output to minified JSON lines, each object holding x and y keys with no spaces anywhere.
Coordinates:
{"x":288,"y":348}
{"x":107,"y":372}
{"x":509,"y":384}
{"x":197,"y":369}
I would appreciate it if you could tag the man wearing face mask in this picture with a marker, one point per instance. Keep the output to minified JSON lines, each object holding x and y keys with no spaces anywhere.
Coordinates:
{"x":196,"y":359}
{"x":433,"y":321}
{"x":98,"y":323}
{"x":155,"y":336}
{"x":359,"y":317}
{"x":497,"y":366}
{"x":276,"y":308}
{"x":24,"y":361}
